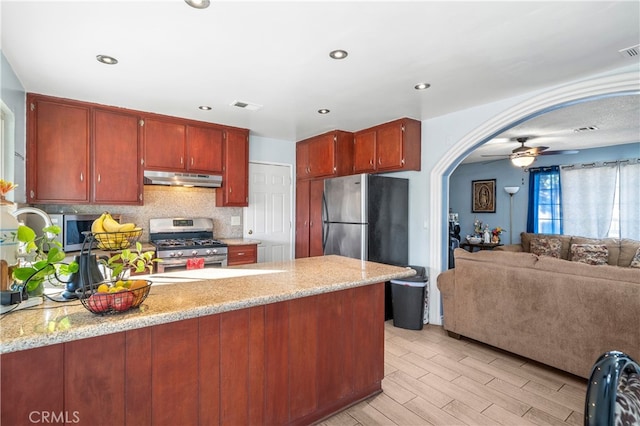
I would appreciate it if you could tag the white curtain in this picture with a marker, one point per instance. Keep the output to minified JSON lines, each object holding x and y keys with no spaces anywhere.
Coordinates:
{"x":630,"y":200}
{"x":588,"y":200}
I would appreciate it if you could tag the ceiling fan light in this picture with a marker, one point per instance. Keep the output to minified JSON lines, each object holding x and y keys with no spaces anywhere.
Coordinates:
{"x":523,"y":160}
{"x":198,"y":4}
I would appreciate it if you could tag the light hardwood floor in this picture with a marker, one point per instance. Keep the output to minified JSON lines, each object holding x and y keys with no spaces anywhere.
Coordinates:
{"x":431,"y":378}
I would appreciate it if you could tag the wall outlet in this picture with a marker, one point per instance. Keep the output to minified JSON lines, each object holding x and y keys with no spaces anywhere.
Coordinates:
{"x":235,"y":220}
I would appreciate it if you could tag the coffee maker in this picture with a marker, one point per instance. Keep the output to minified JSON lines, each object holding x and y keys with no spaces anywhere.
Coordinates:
{"x":88,"y":273}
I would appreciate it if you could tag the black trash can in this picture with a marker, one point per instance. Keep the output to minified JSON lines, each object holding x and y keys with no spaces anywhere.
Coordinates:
{"x":408,"y":296}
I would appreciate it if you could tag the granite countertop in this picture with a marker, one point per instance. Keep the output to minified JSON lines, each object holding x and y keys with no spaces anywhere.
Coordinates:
{"x":189,"y":294}
{"x":238,"y":241}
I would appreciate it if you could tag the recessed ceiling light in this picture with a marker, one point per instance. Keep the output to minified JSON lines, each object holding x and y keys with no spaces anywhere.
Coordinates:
{"x":198,"y":4}
{"x":204,"y":107}
{"x":109,"y":60}
{"x":422,"y":86}
{"x":323,"y":111}
{"x":338,"y":54}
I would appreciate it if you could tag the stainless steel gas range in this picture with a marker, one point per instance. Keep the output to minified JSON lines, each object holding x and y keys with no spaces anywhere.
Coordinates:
{"x":186,"y":243}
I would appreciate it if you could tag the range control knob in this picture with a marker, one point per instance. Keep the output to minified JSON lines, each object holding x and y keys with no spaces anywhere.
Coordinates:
{"x":179,"y":254}
{"x":172,"y":254}
{"x":207,"y":252}
{"x":214,"y":251}
{"x":194,"y":253}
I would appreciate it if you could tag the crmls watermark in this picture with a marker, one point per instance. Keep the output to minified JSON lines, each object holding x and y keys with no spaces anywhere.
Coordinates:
{"x":45,"y":417}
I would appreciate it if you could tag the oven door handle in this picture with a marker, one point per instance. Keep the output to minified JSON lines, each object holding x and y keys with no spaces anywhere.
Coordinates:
{"x":181,"y":263}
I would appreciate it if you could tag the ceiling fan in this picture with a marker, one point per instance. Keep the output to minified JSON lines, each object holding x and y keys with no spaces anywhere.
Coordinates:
{"x":523,"y":155}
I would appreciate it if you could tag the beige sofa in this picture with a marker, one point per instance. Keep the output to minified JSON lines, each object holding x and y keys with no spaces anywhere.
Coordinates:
{"x":561,"y":313}
{"x":619,"y":252}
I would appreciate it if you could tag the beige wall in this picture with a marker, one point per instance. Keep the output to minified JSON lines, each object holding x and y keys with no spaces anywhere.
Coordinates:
{"x":164,"y":201}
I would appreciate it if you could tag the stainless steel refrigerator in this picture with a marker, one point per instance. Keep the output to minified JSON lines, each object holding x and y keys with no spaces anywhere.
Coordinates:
{"x":366,"y":217}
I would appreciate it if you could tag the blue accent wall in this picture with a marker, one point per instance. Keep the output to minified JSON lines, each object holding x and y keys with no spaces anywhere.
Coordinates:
{"x":508,"y":175}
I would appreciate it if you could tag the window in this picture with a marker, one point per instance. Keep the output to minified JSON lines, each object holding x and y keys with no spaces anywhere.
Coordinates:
{"x":601,"y":200}
{"x":7,"y":149}
{"x":545,"y":209}
{"x":629,"y":199}
{"x":588,"y":195}
{"x":3,"y":144}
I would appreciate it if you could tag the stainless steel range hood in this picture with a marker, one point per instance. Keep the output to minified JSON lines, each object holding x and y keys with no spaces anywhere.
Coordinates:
{"x":182,"y":179}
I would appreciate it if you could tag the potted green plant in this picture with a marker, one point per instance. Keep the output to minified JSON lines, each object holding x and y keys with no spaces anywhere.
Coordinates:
{"x":44,"y":260}
{"x":128,"y":262}
{"x":40,"y":258}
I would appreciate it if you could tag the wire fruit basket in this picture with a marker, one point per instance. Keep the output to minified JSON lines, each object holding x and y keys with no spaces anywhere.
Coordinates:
{"x":112,"y":241}
{"x":112,"y":297}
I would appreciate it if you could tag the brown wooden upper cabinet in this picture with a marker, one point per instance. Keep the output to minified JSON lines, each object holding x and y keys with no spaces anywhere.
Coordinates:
{"x":78,"y":153}
{"x":235,"y":176}
{"x":117,"y":145}
{"x":57,"y":151}
{"x":82,"y":153}
{"x":326,"y":155}
{"x":204,"y":149}
{"x":173,"y":145}
{"x":164,"y":144}
{"x":392,"y":146}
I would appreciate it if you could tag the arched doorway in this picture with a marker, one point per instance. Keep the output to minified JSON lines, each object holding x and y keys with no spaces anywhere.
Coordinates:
{"x":615,"y":85}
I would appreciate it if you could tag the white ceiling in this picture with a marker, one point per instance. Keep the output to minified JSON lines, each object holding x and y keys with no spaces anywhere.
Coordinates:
{"x":173,"y":58}
{"x":610,"y":121}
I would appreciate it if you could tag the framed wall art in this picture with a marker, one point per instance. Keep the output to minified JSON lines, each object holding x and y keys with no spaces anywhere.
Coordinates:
{"x":484,"y":196}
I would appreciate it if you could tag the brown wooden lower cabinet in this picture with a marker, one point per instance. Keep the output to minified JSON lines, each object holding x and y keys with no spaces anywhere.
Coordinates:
{"x":242,"y":254}
{"x":32,"y":386}
{"x":174,"y":373}
{"x":138,"y":376}
{"x":291,"y":362}
{"x":94,"y":379}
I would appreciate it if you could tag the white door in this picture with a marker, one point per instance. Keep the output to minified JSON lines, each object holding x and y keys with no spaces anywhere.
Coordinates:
{"x":268,"y":217}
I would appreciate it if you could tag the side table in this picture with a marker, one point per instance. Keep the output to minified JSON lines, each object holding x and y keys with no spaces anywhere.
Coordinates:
{"x":479,"y":246}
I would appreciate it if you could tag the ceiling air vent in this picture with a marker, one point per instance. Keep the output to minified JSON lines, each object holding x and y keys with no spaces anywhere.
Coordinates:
{"x":586,"y":129}
{"x":630,"y":52}
{"x":246,"y":105}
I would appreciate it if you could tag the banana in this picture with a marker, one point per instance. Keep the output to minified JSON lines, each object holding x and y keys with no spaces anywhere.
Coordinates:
{"x":126,"y":227}
{"x":110,"y":224}
{"x":135,"y":232}
{"x":112,"y":235}
{"x":96,"y":226}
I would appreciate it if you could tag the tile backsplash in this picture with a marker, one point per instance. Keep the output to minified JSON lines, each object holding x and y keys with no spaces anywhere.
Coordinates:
{"x":166,"y":201}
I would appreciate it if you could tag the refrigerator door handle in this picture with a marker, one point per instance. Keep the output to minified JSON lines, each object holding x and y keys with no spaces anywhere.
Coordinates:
{"x":325,"y":222}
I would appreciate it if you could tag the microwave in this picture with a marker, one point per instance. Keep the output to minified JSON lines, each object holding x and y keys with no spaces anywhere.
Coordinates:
{"x":71,"y":226}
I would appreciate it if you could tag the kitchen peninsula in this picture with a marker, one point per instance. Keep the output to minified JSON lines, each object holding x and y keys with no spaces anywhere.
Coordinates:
{"x":280,"y":343}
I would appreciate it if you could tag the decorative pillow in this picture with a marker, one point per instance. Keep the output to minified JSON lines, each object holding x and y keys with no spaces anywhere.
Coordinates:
{"x":546,"y":247}
{"x":628,"y":249}
{"x":591,"y":254}
{"x":635,"y":262}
